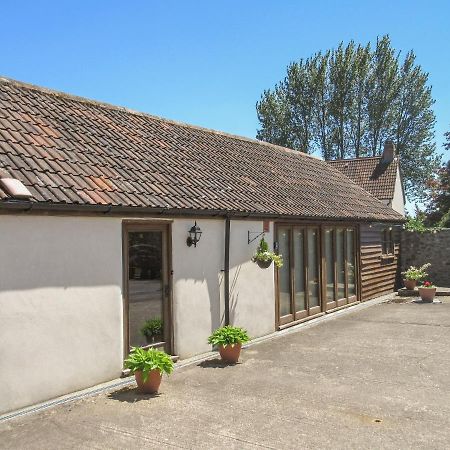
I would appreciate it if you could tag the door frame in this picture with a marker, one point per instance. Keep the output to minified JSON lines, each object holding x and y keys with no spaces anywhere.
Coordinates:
{"x":165,"y":226}
{"x":283,"y":322}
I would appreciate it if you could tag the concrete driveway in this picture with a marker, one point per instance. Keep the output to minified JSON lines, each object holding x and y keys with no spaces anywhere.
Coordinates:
{"x":376,"y":378}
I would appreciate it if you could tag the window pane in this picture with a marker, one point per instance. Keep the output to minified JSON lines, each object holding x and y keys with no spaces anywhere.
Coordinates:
{"x":329,"y":261}
{"x":284,"y":272}
{"x":391,"y":242}
{"x":313,"y":272}
{"x":145,"y":283}
{"x":340,"y":268}
{"x":350,"y":256}
{"x":299,"y":273}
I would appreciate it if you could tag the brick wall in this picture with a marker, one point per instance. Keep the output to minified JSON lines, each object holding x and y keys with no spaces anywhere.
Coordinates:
{"x":418,"y":249}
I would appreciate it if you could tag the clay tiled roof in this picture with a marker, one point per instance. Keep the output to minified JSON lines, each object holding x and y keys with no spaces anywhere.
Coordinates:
{"x":372,"y":174}
{"x":68,"y":150}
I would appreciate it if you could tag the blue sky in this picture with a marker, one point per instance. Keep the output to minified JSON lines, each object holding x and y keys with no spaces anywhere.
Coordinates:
{"x":206,"y":62}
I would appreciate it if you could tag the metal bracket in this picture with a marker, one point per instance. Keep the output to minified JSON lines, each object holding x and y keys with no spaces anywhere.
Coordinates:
{"x":258,"y":234}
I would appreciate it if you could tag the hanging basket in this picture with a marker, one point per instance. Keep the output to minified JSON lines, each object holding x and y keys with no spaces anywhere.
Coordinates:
{"x":264,"y":264}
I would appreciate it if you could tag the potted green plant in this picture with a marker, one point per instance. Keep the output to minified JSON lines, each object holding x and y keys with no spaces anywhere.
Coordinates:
{"x":427,"y":291}
{"x":413,"y":275}
{"x":263,"y":257}
{"x":229,"y":340}
{"x":148,"y":367}
{"x":152,"y":330}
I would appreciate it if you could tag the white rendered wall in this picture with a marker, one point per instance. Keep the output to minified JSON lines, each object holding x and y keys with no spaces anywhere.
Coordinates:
{"x":60,"y":306}
{"x":252,"y":295}
{"x":197,"y":284}
{"x":198,"y":291}
{"x":398,"y":202}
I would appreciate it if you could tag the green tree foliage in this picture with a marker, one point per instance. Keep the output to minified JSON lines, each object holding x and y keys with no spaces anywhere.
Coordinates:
{"x":438,"y":211}
{"x":347,"y":101}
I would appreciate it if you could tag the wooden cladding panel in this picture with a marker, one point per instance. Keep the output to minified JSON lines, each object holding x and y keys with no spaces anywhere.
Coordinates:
{"x":378,"y":272}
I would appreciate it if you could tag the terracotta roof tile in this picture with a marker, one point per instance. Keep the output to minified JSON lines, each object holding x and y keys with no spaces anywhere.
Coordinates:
{"x":71,"y":150}
{"x":372,"y":174}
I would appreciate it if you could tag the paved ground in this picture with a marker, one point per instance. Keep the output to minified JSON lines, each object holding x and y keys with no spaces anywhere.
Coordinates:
{"x":377,"y":378}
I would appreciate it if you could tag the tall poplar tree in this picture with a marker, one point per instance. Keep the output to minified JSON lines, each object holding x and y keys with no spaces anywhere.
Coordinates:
{"x":347,"y":101}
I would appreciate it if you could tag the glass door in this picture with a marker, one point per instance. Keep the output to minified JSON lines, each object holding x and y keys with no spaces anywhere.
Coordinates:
{"x":350,"y":260}
{"x":147,"y":288}
{"x":285,"y":276}
{"x":299,"y":277}
{"x":340,"y":267}
{"x":339,"y":271}
{"x":330,"y":266}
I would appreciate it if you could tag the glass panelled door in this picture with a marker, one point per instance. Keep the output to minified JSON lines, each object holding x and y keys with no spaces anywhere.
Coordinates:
{"x":300,"y":302}
{"x":147,"y":288}
{"x":330,"y":267}
{"x":298,"y":278}
{"x":319,"y":270}
{"x":340,"y":266}
{"x":350,"y":260}
{"x":312,"y":263}
{"x":284,"y":276}
{"x":340,"y":261}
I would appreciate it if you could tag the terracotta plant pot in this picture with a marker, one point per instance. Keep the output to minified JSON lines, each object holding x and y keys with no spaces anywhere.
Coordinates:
{"x":410,"y":284}
{"x":230,"y":353}
{"x":264,"y":264}
{"x":427,"y":294}
{"x":151,"y":386}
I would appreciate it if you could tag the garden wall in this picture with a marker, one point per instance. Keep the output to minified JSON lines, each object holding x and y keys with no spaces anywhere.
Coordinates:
{"x":420,"y":248}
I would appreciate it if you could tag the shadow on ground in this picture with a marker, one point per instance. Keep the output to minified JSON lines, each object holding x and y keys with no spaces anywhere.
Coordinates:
{"x":215,"y":364}
{"x":130,"y":395}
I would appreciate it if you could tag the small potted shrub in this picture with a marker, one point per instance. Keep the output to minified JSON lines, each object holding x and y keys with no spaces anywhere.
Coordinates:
{"x":413,"y":275}
{"x":153,"y":330}
{"x":427,"y":291}
{"x":229,"y":340}
{"x":263,"y":257}
{"x":148,"y":367}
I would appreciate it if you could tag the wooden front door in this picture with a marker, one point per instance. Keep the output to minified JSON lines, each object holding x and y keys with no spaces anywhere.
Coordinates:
{"x":147,"y":286}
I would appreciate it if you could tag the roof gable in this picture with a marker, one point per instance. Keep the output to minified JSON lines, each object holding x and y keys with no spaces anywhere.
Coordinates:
{"x":372,"y":174}
{"x":68,"y":150}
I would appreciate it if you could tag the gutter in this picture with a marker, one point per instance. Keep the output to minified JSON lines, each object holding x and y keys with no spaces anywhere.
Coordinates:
{"x":49,"y":208}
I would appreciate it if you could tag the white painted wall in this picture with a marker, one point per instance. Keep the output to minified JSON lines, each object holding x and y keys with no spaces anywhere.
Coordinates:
{"x":252,"y":296}
{"x":197,"y":285}
{"x":60,"y":306}
{"x":398,"y":202}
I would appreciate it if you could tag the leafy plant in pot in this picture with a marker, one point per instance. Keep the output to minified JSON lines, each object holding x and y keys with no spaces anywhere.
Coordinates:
{"x":263,"y":257}
{"x":152,"y":330}
{"x":229,"y":340}
{"x":148,"y":367}
{"x":413,"y":275}
{"x":427,"y":291}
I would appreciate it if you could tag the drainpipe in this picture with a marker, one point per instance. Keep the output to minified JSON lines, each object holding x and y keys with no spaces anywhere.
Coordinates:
{"x":226,"y":278}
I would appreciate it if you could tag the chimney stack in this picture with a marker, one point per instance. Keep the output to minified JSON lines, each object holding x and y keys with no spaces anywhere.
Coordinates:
{"x":388,"y":152}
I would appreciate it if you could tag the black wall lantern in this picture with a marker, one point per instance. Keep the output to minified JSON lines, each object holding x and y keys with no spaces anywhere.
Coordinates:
{"x":194,"y":235}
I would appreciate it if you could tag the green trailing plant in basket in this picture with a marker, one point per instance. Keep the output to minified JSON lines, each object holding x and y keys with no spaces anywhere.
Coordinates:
{"x":140,"y":360}
{"x":229,"y":335}
{"x":263,"y":255}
